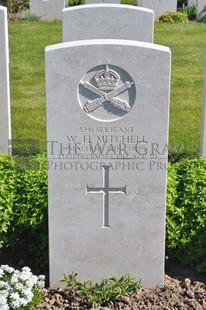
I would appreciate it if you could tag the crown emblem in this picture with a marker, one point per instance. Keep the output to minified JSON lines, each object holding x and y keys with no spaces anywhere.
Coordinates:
{"x":107,"y":79}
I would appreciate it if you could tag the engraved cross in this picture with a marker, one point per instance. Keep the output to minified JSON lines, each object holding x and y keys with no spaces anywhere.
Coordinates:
{"x":106,"y":190}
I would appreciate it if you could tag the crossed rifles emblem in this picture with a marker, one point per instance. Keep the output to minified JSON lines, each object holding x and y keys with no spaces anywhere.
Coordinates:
{"x":107,"y":79}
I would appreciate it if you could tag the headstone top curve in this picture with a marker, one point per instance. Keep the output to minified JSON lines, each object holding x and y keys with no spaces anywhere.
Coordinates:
{"x":107,"y":42}
{"x":108,"y":5}
{"x":3,"y":8}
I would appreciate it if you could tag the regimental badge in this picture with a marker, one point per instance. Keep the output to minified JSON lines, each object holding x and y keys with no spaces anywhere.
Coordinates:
{"x":106,"y":93}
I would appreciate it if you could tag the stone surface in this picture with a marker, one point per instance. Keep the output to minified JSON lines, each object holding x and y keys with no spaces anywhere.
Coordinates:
{"x":203,"y":124}
{"x":101,"y":1}
{"x":106,"y":21}
{"x":201,"y":10}
{"x":107,"y":153}
{"x":191,"y":2}
{"x":159,"y":6}
{"x":48,"y":9}
{"x":5,"y":115}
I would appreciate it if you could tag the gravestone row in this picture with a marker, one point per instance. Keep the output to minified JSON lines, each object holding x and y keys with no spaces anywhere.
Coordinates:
{"x":5,"y":115}
{"x":48,"y":9}
{"x":107,"y":131}
{"x":192,"y":2}
{"x":52,"y":9}
{"x":201,"y":8}
{"x":159,"y":6}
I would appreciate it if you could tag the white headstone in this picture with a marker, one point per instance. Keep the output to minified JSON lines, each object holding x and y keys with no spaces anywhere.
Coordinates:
{"x":191,"y":2}
{"x":48,"y":9}
{"x":106,"y":21}
{"x":101,"y":1}
{"x":159,"y":6}
{"x":5,"y":114}
{"x":203,"y":123}
{"x":201,"y":10}
{"x":107,"y":126}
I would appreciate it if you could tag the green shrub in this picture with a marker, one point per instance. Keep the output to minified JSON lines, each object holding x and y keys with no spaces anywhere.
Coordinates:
{"x":181,"y":3}
{"x":75,"y":2}
{"x":172,"y":215}
{"x":28,"y":17}
{"x":129,"y":2}
{"x":186,"y":212}
{"x":23,"y":207}
{"x":173,"y":17}
{"x":190,"y":10}
{"x":15,"y":6}
{"x":3,"y":2}
{"x":177,"y":153}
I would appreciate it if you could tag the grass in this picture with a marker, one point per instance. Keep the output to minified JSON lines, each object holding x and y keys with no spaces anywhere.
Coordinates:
{"x":27,"y":44}
{"x":187,"y":43}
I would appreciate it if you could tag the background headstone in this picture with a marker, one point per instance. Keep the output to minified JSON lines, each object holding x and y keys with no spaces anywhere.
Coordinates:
{"x":5,"y":114}
{"x":191,"y":2}
{"x":107,"y":132}
{"x":101,"y":1}
{"x":203,"y":124}
{"x":108,"y":22}
{"x":201,"y":10}
{"x":159,"y":6}
{"x":48,"y":9}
